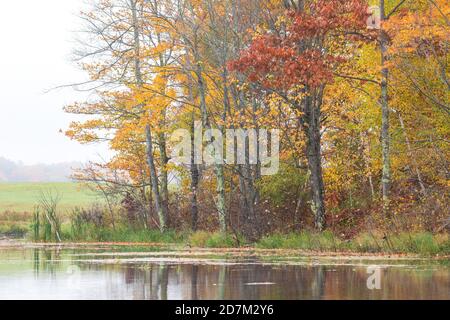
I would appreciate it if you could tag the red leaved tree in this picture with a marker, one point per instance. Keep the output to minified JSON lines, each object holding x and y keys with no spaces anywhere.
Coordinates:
{"x":296,"y":58}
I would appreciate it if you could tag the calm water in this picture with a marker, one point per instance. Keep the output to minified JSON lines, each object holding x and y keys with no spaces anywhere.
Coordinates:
{"x":98,"y":274}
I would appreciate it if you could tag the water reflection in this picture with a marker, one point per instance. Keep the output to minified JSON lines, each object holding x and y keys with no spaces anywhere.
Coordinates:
{"x":59,"y":274}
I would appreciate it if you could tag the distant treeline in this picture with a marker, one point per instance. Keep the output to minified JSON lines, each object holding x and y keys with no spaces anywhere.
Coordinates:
{"x":11,"y":171}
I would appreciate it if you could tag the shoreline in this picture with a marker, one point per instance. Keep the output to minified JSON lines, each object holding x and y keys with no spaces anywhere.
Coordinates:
{"x":249,"y":251}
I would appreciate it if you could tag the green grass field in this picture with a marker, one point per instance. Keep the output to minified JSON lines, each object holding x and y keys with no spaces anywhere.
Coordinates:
{"x":18,"y":200}
{"x":22,"y":197}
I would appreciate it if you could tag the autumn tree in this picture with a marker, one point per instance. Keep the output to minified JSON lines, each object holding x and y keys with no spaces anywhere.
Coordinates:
{"x":125,"y":55}
{"x":358,"y":107}
{"x":297,"y":59}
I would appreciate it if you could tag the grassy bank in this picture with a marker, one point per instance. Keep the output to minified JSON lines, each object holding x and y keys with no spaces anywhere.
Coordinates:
{"x":20,"y":225}
{"x":15,"y":224}
{"x":425,"y":244}
{"x":417,"y":243}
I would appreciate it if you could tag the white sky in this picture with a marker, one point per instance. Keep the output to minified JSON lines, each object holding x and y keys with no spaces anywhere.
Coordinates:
{"x":37,"y":38}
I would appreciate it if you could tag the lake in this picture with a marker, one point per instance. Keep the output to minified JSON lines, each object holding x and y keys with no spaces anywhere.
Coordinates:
{"x":144,"y":273}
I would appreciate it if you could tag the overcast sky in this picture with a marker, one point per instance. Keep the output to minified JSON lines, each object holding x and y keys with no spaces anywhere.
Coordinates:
{"x":37,"y":38}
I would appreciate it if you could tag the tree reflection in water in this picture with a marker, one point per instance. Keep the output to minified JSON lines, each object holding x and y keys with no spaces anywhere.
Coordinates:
{"x":43,"y":274}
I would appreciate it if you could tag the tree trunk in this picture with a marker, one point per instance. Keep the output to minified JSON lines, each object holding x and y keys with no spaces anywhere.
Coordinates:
{"x":250,"y":226}
{"x":249,"y":196}
{"x":313,"y":148}
{"x":195,"y":174}
{"x":218,"y":168}
{"x":148,"y":132}
{"x":154,"y":178}
{"x":164,"y":176}
{"x":221,"y":205}
{"x":248,"y":173}
{"x":384,"y":100}
{"x":195,"y":177}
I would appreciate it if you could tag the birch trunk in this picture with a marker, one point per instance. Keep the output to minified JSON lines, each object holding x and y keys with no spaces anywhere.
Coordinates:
{"x":154,"y":178}
{"x":218,"y":168}
{"x":384,"y":101}
{"x":148,"y":133}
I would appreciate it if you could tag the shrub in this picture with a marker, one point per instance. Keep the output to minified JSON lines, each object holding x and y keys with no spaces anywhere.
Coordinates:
{"x":325,"y":241}
{"x":212,"y":240}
